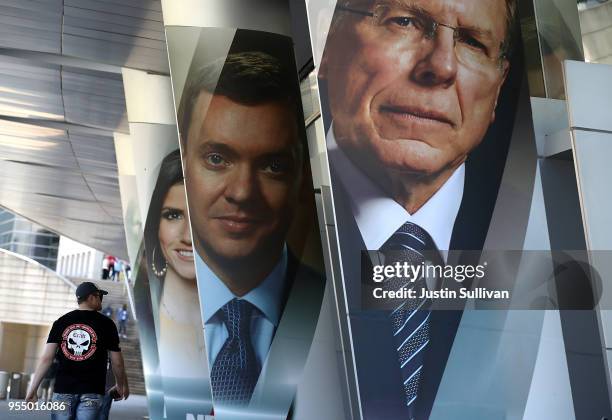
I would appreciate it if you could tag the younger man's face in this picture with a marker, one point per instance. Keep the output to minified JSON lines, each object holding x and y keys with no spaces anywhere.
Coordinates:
{"x":242,"y":174}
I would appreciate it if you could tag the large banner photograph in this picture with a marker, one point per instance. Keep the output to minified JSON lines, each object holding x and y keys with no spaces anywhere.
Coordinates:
{"x":436,"y":194}
{"x":159,"y":243}
{"x":165,"y":292}
{"x":174,"y":297}
{"x":251,"y":205}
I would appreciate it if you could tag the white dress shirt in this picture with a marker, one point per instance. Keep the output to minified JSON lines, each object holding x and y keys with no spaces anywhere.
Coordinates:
{"x":267,"y":299}
{"x":378,"y":216}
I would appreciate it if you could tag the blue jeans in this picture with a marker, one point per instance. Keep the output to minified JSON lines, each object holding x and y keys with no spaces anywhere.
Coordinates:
{"x":77,"y":406}
{"x":107,"y":401}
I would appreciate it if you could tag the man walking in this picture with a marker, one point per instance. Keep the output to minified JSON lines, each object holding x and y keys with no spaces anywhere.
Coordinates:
{"x":105,"y":268}
{"x":117,"y":269}
{"x":81,"y":340}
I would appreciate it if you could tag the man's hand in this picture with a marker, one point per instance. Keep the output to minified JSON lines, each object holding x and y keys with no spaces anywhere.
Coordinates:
{"x":120,"y":376}
{"x":123,"y":390}
{"x":43,"y":366}
{"x":32,"y":396}
{"x":114,"y":392}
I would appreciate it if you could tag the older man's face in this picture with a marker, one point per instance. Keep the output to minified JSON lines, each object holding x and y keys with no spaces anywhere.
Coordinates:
{"x":410,"y":104}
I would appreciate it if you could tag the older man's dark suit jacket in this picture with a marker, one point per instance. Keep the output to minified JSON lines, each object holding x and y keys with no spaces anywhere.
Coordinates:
{"x":376,"y":360}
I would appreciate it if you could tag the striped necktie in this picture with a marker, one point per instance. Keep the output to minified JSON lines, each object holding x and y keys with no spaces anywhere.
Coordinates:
{"x":410,"y":320}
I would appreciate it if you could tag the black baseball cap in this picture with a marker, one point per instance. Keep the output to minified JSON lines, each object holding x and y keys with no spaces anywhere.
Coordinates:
{"x":87,"y":288}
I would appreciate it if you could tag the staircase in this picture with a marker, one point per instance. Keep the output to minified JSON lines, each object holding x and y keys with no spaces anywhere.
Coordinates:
{"x":130,"y":346}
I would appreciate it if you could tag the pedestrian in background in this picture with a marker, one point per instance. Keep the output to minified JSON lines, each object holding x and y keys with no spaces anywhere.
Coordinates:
{"x":111,"y":266}
{"x":118,"y":269}
{"x":123,"y":319}
{"x":108,"y":311}
{"x":105,"y":268}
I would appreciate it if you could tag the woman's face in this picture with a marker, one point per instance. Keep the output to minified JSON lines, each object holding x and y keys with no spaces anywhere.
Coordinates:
{"x":174,"y":233}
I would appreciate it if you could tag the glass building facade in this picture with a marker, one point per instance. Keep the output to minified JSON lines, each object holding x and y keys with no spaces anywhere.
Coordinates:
{"x":23,"y":237}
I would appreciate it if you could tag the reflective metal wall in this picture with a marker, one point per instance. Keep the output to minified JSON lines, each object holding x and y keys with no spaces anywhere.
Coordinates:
{"x":595,"y":25}
{"x":551,"y":33}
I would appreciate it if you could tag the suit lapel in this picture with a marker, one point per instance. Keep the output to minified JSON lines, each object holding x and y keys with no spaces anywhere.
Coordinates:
{"x":376,"y":362}
{"x":443,"y":328}
{"x":282,"y":370}
{"x":468,"y":238}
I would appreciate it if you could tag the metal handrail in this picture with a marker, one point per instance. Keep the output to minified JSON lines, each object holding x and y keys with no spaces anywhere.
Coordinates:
{"x":126,"y":281}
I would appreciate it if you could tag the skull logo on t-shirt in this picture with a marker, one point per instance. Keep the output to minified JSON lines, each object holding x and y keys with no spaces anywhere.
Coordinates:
{"x":79,"y":342}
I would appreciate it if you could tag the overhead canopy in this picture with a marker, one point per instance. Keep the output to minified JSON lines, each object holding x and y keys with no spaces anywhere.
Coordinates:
{"x":61,"y":101}
{"x":64,"y":179}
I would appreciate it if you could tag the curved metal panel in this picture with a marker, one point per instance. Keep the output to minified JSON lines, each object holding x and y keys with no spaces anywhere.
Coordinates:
{"x":31,"y":25}
{"x":262,"y":15}
{"x":64,"y":179}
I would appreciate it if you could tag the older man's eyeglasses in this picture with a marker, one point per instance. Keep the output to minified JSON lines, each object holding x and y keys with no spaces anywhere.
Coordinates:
{"x":396,"y":23}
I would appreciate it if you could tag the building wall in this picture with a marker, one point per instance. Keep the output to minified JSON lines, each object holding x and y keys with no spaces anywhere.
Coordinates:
{"x":77,"y":260}
{"x":31,"y":293}
{"x":31,"y":298}
{"x":21,"y":345}
{"x":13,"y":342}
{"x":35,"y":344}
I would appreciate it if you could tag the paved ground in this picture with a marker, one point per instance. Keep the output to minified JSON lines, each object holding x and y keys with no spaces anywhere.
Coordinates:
{"x":134,"y":408}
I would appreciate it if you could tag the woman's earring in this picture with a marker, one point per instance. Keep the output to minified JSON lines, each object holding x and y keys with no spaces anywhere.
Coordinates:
{"x":158,"y":273}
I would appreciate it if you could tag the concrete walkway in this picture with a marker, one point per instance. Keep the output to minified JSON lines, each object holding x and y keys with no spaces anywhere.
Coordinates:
{"x":134,"y":408}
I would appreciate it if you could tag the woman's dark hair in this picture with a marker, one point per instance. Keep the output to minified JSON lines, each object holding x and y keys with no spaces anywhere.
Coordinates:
{"x":170,"y":174}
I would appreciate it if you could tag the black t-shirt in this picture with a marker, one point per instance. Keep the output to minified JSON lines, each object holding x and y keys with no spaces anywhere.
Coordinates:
{"x":84,"y":339}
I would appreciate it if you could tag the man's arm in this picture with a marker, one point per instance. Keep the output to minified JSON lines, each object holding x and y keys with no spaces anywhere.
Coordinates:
{"x":43,"y":366}
{"x":120,"y":376}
